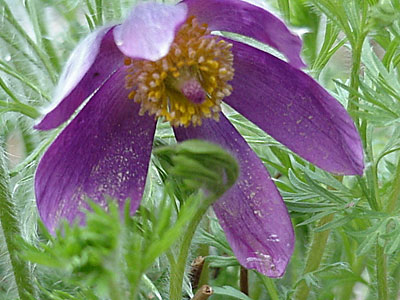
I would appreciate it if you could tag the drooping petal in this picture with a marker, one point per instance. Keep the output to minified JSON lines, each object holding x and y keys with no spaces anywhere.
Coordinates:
{"x":246,"y":19}
{"x":90,"y":64}
{"x":103,"y":152}
{"x":149,"y":30}
{"x":252,"y":213}
{"x":295,"y":110}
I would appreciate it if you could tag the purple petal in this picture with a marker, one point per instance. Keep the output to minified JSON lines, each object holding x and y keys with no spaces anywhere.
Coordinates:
{"x":149,"y":30}
{"x":252,"y":213}
{"x":104,"y":151}
{"x":246,"y":19}
{"x":89,"y":65}
{"x":295,"y":110}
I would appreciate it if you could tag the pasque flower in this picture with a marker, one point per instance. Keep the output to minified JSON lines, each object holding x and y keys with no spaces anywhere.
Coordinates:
{"x":164,"y":61}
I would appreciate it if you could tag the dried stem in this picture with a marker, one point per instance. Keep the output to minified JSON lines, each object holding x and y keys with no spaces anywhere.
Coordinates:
{"x":203,"y":293}
{"x":195,"y":271}
{"x":244,"y":281}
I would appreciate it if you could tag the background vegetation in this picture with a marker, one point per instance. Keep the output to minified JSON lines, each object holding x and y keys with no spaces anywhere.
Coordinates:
{"x":347,"y":228}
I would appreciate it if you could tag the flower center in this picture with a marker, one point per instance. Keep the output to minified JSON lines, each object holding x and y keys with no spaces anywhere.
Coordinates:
{"x":189,"y":83}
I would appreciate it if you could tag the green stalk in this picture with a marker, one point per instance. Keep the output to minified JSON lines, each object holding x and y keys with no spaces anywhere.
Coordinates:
{"x":11,"y":230}
{"x":27,"y":110}
{"x":115,"y":290}
{"x":17,"y":105}
{"x":285,"y":9}
{"x":4,"y":68}
{"x":8,"y":91}
{"x":381,"y":272}
{"x":48,"y":47}
{"x":381,"y":259}
{"x":357,"y":267}
{"x":178,"y":268}
{"x":356,"y":262}
{"x":314,"y":257}
{"x":117,"y":9}
{"x":269,"y":286}
{"x":394,"y":196}
{"x":356,"y":40}
{"x":99,"y":12}
{"x":191,"y":161}
{"x":204,"y":250}
{"x":372,"y":175}
{"x":31,"y":9}
{"x":22,"y":108}
{"x":377,"y":205}
{"x":20,"y":50}
{"x":355,"y":73}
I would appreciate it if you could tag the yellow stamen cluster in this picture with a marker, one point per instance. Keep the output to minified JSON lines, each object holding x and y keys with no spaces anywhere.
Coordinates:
{"x":195,"y":59}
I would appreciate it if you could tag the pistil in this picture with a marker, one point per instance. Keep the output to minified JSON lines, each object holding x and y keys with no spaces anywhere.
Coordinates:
{"x":193,"y":91}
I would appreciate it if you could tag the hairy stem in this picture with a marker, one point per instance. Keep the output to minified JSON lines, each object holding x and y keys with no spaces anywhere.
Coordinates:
{"x":314,"y":257}
{"x":11,"y":230}
{"x":381,"y":272}
{"x":178,"y":268}
{"x":394,"y":196}
{"x":269,"y":286}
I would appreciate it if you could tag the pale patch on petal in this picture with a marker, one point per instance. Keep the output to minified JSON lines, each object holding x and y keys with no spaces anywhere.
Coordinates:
{"x":149,"y":30}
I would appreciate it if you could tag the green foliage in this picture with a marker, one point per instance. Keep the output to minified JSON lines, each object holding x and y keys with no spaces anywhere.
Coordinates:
{"x":227,"y":291}
{"x":352,"y":47}
{"x":109,"y":257}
